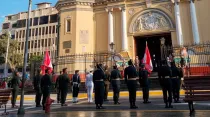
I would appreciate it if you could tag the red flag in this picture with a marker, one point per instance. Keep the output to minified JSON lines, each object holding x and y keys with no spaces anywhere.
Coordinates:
{"x":46,"y":64}
{"x":147,"y":59}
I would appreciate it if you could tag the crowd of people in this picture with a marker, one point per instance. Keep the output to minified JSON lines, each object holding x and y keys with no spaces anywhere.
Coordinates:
{"x":99,"y":80}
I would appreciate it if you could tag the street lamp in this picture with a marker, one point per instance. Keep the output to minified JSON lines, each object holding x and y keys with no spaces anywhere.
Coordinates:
{"x":112,"y":51}
{"x":21,"y":110}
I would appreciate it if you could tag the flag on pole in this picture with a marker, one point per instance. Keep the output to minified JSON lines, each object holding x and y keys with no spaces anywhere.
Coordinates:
{"x":147,"y":60}
{"x":46,"y":63}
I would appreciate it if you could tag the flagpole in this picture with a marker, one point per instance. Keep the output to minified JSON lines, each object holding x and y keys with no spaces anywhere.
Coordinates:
{"x":21,"y":110}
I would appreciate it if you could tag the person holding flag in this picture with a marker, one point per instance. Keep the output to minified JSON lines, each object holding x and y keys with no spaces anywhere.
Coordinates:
{"x":46,"y":82}
{"x":146,"y":69}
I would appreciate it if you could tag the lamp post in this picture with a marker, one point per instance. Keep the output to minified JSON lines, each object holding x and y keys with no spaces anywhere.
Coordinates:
{"x":21,"y":110}
{"x":5,"y":64}
{"x":112,"y":51}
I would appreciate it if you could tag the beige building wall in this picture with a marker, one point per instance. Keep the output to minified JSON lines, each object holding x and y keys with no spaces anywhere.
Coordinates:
{"x":186,"y":23}
{"x":101,"y":32}
{"x":203,"y":17}
{"x":67,"y":36}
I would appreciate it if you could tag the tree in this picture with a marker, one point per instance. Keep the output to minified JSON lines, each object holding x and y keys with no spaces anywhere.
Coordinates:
{"x":35,"y":58}
{"x":15,"y":59}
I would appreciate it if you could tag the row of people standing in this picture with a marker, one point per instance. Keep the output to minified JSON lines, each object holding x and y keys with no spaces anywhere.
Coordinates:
{"x":169,"y":77}
{"x":42,"y":86}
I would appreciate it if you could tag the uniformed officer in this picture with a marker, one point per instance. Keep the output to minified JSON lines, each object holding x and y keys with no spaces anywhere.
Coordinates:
{"x":37,"y":87}
{"x":130,"y":75}
{"x":176,"y":81}
{"x":115,"y":80}
{"x":144,"y":82}
{"x":15,"y":83}
{"x":164,"y":75}
{"x":106,"y":83}
{"x":58,"y":88}
{"x":64,"y":82}
{"x":98,"y":79}
{"x":45,"y":85}
{"x":76,"y":82}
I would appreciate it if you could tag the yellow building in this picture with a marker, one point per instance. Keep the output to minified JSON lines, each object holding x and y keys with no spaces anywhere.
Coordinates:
{"x":89,"y":26}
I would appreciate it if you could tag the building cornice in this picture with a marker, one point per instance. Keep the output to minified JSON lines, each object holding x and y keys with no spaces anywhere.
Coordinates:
{"x":65,"y":3}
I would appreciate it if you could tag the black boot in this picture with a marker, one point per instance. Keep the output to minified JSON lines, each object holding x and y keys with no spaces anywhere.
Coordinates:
{"x":166,"y":105}
{"x":170,"y":106}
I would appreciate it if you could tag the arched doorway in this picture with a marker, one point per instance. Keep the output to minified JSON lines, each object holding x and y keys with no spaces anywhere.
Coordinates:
{"x":152,"y":26}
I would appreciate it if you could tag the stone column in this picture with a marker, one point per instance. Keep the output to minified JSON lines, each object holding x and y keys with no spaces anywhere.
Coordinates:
{"x":178,"y":23}
{"x":196,"y":36}
{"x":110,"y":28}
{"x":124,"y":29}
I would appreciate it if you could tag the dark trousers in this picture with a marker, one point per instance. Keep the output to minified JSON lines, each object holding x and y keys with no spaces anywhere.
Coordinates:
{"x":38,"y":96}
{"x":167,"y":90}
{"x":116,"y":90}
{"x":176,"y":88}
{"x":145,"y":91}
{"x":58,"y":95}
{"x":99,"y":92}
{"x":106,"y":85}
{"x":132,"y":91}
{"x":46,"y":93}
{"x":75,"y":90}
{"x":14,"y":96}
{"x":63,"y":93}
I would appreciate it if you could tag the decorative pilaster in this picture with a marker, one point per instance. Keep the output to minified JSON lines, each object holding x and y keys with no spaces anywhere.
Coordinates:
{"x":110,"y":27}
{"x":178,"y":22}
{"x":124,"y":29}
{"x":196,"y":36}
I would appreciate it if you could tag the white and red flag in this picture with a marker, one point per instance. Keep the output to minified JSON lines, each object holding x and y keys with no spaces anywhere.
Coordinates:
{"x":46,"y":63}
{"x":147,"y":60}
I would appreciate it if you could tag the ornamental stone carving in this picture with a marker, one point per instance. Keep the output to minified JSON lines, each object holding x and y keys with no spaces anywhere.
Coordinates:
{"x":151,"y":21}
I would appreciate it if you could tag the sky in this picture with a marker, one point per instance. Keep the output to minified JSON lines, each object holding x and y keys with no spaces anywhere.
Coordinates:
{"x":8,"y":7}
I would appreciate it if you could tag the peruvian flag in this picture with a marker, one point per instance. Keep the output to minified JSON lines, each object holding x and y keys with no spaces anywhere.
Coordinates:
{"x":147,"y":60}
{"x":46,"y":63}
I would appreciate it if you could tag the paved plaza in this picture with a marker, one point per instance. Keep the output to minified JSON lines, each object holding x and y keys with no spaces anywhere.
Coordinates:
{"x":84,"y":109}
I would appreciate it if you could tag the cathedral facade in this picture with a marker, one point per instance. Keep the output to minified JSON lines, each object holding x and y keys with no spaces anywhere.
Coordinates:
{"x":90,"y":26}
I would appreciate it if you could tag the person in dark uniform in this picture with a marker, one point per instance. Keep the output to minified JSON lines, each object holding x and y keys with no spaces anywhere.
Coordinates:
{"x":176,"y":81}
{"x":76,"y":82}
{"x":106,"y":83}
{"x":98,"y":79}
{"x":115,"y":80}
{"x":64,"y":82}
{"x":144,"y":82}
{"x":130,"y":75}
{"x":37,"y":87}
{"x":58,"y":88}
{"x":45,"y":85}
{"x":164,"y":75}
{"x":15,"y":83}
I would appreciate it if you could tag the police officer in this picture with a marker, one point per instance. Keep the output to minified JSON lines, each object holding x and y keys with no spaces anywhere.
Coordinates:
{"x":37,"y":87}
{"x":115,"y":80}
{"x":15,"y":83}
{"x":176,"y":81}
{"x":106,"y":83}
{"x":130,"y":75}
{"x":76,"y":82}
{"x":98,"y":79}
{"x":144,"y":82}
{"x":58,"y":88}
{"x":45,"y":85}
{"x":64,"y":82}
{"x":164,"y":75}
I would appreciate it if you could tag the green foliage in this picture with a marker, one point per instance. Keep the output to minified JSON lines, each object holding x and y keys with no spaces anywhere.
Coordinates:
{"x":14,"y":59}
{"x":35,"y":58}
